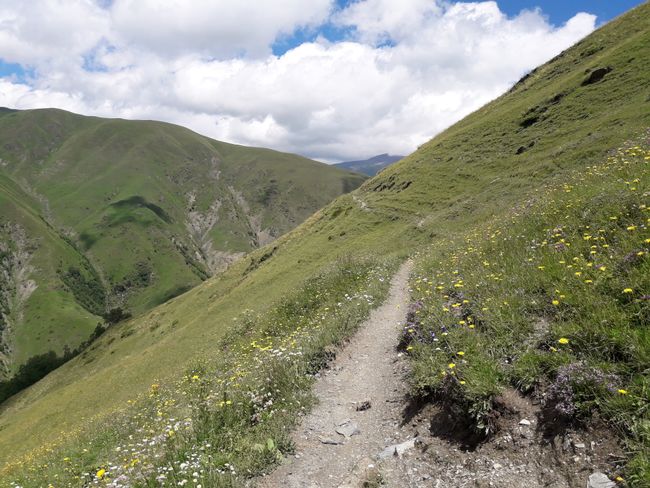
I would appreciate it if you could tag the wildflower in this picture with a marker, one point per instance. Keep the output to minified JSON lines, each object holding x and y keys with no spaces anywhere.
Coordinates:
{"x":563,"y":340}
{"x":195,"y":377}
{"x":409,"y":348}
{"x":628,"y":290}
{"x":101,"y":473}
{"x":621,"y":391}
{"x":631,"y":227}
{"x":451,"y":365}
{"x":555,"y":302}
{"x":461,"y":353}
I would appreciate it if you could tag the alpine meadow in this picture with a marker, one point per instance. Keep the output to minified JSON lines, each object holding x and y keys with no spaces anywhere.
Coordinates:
{"x":207,"y":289}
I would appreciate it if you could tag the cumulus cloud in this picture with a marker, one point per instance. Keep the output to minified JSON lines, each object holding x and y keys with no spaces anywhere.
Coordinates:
{"x":214,"y":28}
{"x":403,"y":72}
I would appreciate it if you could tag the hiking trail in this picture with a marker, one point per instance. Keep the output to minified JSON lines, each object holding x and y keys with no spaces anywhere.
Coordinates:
{"x":361,"y":395}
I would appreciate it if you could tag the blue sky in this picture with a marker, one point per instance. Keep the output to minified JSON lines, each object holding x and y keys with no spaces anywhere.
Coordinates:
{"x":245,"y":71}
{"x":557,"y":11}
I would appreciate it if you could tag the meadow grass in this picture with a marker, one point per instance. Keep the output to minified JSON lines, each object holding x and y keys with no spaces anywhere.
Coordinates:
{"x":552,"y":298}
{"x":228,"y":417}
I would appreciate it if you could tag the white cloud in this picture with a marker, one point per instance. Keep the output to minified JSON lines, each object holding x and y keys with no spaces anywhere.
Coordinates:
{"x":407,"y":71}
{"x":49,"y":34}
{"x":212,"y":28}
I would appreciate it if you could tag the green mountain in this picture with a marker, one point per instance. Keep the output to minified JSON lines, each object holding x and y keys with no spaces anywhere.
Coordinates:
{"x":104,"y":214}
{"x":234,"y":358}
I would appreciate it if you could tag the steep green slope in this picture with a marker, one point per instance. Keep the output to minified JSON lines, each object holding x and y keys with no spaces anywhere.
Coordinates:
{"x":33,"y":311}
{"x":553,"y":299}
{"x":151,"y":208}
{"x":554,"y":123}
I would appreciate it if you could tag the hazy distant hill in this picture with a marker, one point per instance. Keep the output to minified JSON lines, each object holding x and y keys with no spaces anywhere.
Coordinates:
{"x":370,"y":166}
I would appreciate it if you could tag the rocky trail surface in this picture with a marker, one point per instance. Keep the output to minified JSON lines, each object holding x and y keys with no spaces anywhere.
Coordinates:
{"x":364,"y":432}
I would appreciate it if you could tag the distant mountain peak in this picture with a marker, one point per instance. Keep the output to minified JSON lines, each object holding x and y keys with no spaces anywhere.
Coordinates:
{"x":370,"y":166}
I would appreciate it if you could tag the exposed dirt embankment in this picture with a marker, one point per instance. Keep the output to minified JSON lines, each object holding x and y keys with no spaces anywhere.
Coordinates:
{"x":15,"y":286}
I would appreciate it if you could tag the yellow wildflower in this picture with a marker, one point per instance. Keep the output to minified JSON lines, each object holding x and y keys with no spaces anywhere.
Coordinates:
{"x":628,"y":290}
{"x":451,"y":365}
{"x":621,"y":391}
{"x":563,"y":340}
{"x":101,"y":473}
{"x":461,"y":353}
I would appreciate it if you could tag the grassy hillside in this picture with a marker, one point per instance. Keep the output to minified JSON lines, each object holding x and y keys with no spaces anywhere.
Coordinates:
{"x":205,"y":356}
{"x":148,"y":209}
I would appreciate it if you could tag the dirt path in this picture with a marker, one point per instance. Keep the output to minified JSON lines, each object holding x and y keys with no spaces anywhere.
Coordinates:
{"x":368,"y":369}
